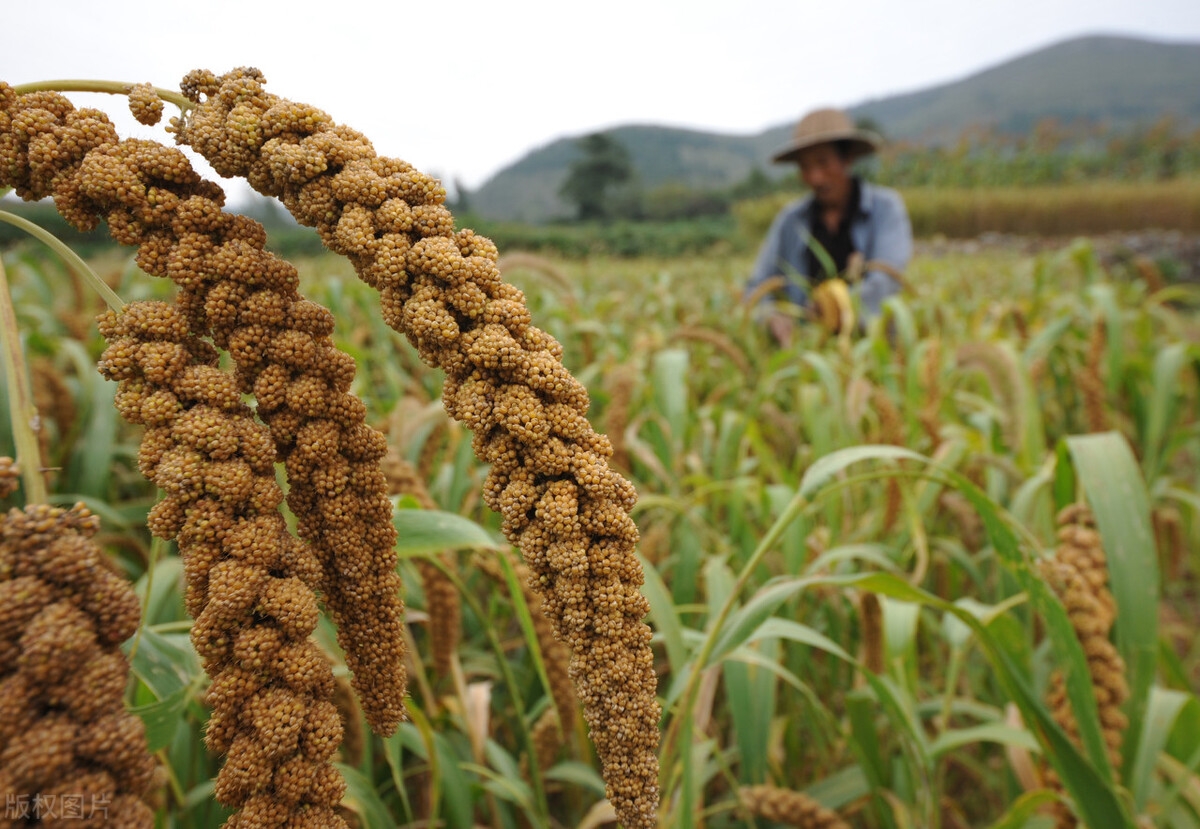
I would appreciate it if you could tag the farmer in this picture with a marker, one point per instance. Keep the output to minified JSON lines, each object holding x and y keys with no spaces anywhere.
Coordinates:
{"x":842,"y":224}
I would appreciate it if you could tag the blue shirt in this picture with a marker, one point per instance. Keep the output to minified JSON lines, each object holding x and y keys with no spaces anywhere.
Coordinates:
{"x":879,"y":229}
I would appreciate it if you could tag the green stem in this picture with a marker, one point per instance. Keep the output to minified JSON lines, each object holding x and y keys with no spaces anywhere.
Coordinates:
{"x":72,"y":259}
{"x":535,"y":775}
{"x":109,"y":87}
{"x":22,"y":412}
{"x":683,"y":718}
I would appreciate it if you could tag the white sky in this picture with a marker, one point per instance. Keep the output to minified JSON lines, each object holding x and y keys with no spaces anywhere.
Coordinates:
{"x":461,"y":89}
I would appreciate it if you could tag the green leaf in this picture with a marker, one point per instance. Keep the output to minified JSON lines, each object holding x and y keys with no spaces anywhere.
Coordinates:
{"x":752,"y":695}
{"x":762,"y":605}
{"x":861,"y":708}
{"x":823,"y":470}
{"x":163,"y":718}
{"x":577,"y":774}
{"x":165,"y":663}
{"x":361,"y":799}
{"x":1162,"y":405}
{"x":955,"y":738}
{"x":1162,"y":711}
{"x":425,"y":532}
{"x":1065,"y":485}
{"x":1113,"y":483}
{"x":525,"y":618}
{"x":840,"y":788}
{"x":663,"y":615}
{"x":796,"y":632}
{"x":670,"y":371}
{"x":1023,"y":808}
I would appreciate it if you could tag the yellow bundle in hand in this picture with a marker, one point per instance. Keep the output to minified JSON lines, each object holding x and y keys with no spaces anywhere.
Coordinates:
{"x":832,"y":306}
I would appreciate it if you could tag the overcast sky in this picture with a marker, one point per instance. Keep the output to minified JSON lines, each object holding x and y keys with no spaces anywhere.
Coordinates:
{"x":463,"y":88}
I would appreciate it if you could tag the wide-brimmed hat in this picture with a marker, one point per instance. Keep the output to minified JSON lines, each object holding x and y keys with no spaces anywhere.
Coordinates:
{"x":823,"y":126}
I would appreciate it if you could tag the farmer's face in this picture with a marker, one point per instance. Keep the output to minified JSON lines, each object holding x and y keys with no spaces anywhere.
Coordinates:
{"x":824,"y":170}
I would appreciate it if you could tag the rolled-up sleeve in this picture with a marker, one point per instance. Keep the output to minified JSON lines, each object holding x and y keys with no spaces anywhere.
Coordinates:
{"x":891,"y":242}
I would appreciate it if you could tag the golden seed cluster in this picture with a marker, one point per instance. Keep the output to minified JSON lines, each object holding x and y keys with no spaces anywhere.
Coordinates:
{"x":442,"y":602}
{"x":789,"y":807}
{"x":63,"y":616}
{"x":870,"y":614}
{"x":550,"y":479}
{"x":10,"y":477}
{"x":1079,"y":575}
{"x":1091,"y":380}
{"x":250,"y":583}
{"x":144,"y":103}
{"x":244,"y":299}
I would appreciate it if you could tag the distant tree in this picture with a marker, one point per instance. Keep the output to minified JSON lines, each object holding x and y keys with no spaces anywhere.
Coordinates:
{"x":603,"y":164}
{"x":755,"y":184}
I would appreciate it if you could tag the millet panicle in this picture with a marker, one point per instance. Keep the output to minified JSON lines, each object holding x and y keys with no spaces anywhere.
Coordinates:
{"x":561,"y":503}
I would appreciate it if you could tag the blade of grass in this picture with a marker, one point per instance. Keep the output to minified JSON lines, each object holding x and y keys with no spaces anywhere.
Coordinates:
{"x":361,"y":799}
{"x":23,"y":415}
{"x":1162,"y":711}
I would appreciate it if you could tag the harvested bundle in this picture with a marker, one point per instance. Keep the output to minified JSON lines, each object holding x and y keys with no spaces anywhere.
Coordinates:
{"x":66,"y":740}
{"x":550,"y":480}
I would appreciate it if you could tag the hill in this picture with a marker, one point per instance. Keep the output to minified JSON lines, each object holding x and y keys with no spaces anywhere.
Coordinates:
{"x":1115,"y":81}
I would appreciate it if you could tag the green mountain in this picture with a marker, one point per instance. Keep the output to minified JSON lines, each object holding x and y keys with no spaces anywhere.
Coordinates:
{"x":1115,"y":81}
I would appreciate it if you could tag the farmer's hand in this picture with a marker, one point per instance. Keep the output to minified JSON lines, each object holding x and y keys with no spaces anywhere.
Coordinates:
{"x":781,"y":327}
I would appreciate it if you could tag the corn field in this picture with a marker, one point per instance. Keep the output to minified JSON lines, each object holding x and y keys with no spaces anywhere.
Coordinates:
{"x":422,"y":533}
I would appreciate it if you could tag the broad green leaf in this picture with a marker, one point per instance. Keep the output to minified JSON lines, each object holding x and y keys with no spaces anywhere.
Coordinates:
{"x":663,"y":615}
{"x":744,"y":622}
{"x":823,"y":470}
{"x":1025,"y":807}
{"x":424,"y":532}
{"x":577,"y":774}
{"x":1162,"y":710}
{"x":776,"y":628}
{"x":861,"y":708}
{"x":1110,"y":477}
{"x":752,"y":695}
{"x":514,"y":790}
{"x":840,"y":788}
{"x":956,"y":738}
{"x":163,"y":718}
{"x":1094,"y":797}
{"x":361,"y":799}
{"x":1162,"y":406}
{"x":876,"y":554}
{"x":900,"y":629}
{"x":164,"y":662}
{"x":670,"y":370}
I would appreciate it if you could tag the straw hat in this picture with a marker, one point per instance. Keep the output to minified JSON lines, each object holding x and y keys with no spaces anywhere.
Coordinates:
{"x":822,"y":126}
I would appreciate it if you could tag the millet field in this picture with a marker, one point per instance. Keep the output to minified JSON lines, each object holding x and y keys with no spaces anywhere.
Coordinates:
{"x":426,"y":531}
